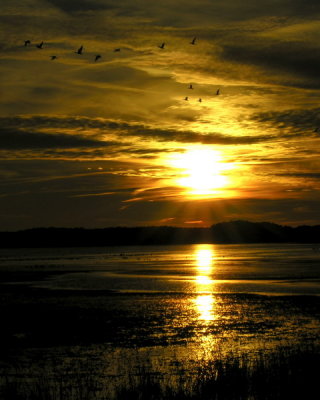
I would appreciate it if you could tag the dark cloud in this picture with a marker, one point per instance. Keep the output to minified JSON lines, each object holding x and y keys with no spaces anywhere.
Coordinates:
{"x":88,"y":142}
{"x":77,"y":197}
{"x":11,"y":139}
{"x":106,"y":126}
{"x":289,"y":58}
{"x":311,"y":175}
{"x":82,"y":5}
{"x":299,"y":119}
{"x":179,"y":11}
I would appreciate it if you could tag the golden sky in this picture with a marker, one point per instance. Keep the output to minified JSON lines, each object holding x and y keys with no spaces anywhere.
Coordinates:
{"x":115,"y":142}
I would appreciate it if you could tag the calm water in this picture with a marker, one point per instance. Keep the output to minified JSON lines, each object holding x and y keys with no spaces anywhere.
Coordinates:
{"x":165,"y":307}
{"x":193,"y":269}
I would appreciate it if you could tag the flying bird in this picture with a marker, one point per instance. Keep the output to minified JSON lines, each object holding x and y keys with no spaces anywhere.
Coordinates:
{"x":190,"y":86}
{"x":115,"y":50}
{"x":79,"y":51}
{"x":97,"y":57}
{"x":53,"y":57}
{"x":218,"y":92}
{"x":161,"y":46}
{"x":193,"y":41}
{"x":40,"y":45}
{"x":27,"y":42}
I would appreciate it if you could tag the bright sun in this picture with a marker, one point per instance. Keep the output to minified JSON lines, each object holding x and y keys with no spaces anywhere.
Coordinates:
{"x":201,"y":171}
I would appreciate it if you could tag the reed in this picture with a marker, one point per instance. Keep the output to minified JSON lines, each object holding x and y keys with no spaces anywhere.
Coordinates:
{"x":286,"y":373}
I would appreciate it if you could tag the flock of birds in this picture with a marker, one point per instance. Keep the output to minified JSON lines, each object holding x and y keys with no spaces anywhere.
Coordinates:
{"x":161,"y":46}
{"x":200,"y":99}
{"x":79,"y":51}
{"x":98,"y":56}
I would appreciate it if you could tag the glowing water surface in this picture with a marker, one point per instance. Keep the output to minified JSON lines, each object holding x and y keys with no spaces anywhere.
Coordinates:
{"x":164,"y":306}
{"x":189,"y":270}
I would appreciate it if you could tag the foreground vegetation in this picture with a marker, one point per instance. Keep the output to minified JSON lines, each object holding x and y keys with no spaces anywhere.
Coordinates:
{"x":287,"y":373}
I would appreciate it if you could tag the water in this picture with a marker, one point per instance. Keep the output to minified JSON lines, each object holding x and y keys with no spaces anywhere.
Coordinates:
{"x":159,"y":308}
{"x":265,"y":269}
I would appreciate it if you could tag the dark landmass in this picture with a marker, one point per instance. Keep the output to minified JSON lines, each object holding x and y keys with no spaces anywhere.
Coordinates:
{"x":223,"y":233}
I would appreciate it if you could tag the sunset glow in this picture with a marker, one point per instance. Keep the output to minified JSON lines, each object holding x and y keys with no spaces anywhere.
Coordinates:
{"x":159,"y":199}
{"x":201,"y":171}
{"x":158,"y":112}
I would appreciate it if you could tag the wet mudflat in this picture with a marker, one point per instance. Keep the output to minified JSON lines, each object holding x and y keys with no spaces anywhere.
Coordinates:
{"x":108,"y":321}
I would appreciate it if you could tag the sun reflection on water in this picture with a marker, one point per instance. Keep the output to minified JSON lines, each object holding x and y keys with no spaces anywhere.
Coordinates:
{"x":204,"y":258}
{"x":203,"y":282}
{"x":204,"y":266}
{"x":205,"y":307}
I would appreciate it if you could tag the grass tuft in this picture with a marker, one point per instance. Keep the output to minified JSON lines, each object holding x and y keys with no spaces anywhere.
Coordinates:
{"x":283,"y":374}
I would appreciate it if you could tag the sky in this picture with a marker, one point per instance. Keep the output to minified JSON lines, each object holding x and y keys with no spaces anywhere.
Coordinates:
{"x":126,"y":141}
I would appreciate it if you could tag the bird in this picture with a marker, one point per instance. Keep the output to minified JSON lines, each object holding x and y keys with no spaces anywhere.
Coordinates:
{"x":161,"y":46}
{"x":26,"y":42}
{"x":97,"y":57}
{"x":186,"y":98}
{"x":40,"y":45}
{"x":200,"y":100}
{"x":115,"y":50}
{"x":218,"y":92}
{"x":53,"y":57}
{"x":316,"y":130}
{"x":190,"y":86}
{"x":79,"y":51}
{"x":193,"y":41}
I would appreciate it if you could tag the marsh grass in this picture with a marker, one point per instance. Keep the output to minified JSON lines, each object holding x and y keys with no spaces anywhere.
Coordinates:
{"x":286,"y":373}
{"x":47,"y":387}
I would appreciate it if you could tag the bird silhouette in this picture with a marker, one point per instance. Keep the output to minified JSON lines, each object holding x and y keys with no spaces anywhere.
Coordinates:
{"x":53,"y":58}
{"x":40,"y":45}
{"x":161,"y":46}
{"x":97,"y":57}
{"x":115,"y":50}
{"x":193,"y":41}
{"x":190,"y":86}
{"x":26,"y":42}
{"x":79,"y":51}
{"x":200,"y":100}
{"x":218,"y":92}
{"x":186,"y":98}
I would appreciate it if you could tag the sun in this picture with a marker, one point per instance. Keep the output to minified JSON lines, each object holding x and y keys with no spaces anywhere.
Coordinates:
{"x":201,"y":171}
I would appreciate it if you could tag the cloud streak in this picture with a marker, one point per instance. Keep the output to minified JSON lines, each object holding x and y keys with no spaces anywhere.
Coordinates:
{"x":32,"y":133}
{"x":92,"y":139}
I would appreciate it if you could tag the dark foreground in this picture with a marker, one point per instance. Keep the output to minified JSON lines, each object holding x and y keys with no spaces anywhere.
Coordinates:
{"x":94,"y":325}
{"x":38,"y":322}
{"x":284,"y":374}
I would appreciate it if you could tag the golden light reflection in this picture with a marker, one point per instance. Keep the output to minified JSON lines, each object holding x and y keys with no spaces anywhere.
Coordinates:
{"x":204,"y":260}
{"x":204,"y":257}
{"x":201,"y":171}
{"x":205,"y":307}
{"x":203,"y":280}
{"x":204,"y":265}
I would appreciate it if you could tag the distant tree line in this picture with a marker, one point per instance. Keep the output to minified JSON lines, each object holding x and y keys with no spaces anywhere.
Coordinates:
{"x":225,"y":232}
